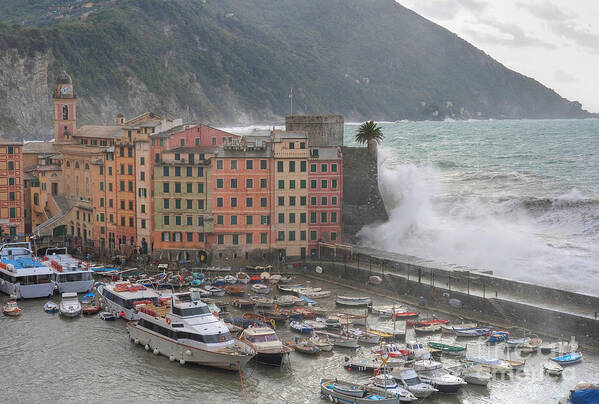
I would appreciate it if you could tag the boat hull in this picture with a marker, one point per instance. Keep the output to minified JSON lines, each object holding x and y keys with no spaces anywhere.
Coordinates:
{"x":326,"y":388}
{"x":185,"y":353}
{"x":27,"y":291}
{"x":75,"y":286}
{"x":70,"y":314}
{"x":271,"y":358}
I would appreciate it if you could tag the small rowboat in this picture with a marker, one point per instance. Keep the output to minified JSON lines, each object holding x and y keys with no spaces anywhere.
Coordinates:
{"x":215,"y":291}
{"x":302,"y":328}
{"x":260,"y":289}
{"x":498,"y":336}
{"x":448,"y":349}
{"x":345,"y":392}
{"x":552,"y":368}
{"x":264,"y":302}
{"x":315,"y":295}
{"x":242,"y":277}
{"x":568,"y":359}
{"x":339,"y":340}
{"x":451,"y":328}
{"x":289,"y":300}
{"x":230,"y":279}
{"x":304,"y":347}
{"x":107,"y":316}
{"x":90,"y":309}
{"x":427,"y":328}
{"x":353,"y":301}
{"x":234,"y":290}
{"x":243,"y":303}
{"x":412,"y":323}
{"x":306,"y":313}
{"x":318,"y":324}
{"x":322,"y":343}
{"x":406,"y":314}
{"x":11,"y":309}
{"x":516,"y":342}
{"x":531,"y":346}
{"x":51,"y":307}
{"x":472,"y":332}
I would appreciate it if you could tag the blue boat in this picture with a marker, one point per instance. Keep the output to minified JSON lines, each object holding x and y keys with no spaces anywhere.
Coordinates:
{"x":498,"y":336}
{"x":568,"y":359}
{"x":346,"y":392}
{"x":308,"y":300}
{"x":471,"y":332}
{"x":196,"y":282}
{"x":51,"y":307}
{"x":302,"y":328}
{"x":88,"y":298}
{"x":107,"y":316}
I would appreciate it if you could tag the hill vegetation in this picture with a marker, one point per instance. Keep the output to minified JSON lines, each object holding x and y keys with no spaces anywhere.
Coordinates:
{"x":235,"y":60}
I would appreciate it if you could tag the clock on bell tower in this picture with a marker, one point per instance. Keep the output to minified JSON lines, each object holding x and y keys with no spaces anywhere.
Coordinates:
{"x":65,"y":109}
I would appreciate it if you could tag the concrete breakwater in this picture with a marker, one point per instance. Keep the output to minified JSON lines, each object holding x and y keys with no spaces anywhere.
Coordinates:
{"x":467,"y":293}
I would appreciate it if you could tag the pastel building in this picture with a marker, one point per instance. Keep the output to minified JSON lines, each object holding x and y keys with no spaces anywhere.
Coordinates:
{"x":12,"y":221}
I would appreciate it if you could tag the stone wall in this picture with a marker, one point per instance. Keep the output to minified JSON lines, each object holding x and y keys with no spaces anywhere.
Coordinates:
{"x":362,"y":201}
{"x":322,"y":130}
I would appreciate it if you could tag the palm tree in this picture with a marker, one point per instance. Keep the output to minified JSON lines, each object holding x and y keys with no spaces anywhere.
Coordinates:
{"x":371,"y":134}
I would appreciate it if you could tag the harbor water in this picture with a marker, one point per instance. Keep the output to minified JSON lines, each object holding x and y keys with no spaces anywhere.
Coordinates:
{"x":47,"y":358}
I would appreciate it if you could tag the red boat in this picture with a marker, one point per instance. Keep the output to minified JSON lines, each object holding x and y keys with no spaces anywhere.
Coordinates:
{"x":307,"y":313}
{"x":411,"y":323}
{"x":234,"y":290}
{"x":392,"y":351}
{"x":90,"y":309}
{"x":406,"y":315}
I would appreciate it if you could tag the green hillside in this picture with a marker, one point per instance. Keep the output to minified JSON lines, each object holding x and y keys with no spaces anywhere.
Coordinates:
{"x":234,"y":60}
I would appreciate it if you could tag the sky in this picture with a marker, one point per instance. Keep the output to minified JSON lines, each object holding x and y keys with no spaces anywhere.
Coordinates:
{"x":554,"y":41}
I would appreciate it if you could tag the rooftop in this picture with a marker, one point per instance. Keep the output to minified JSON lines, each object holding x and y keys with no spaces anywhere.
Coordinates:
{"x":8,"y":142}
{"x":279,"y":135}
{"x":37,"y":147}
{"x":100,"y":131}
{"x":326,"y":153}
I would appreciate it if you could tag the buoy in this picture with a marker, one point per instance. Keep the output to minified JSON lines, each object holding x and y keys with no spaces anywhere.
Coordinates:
{"x":156,"y":351}
{"x":188,"y":352}
{"x":171,"y":358}
{"x":182,"y":361}
{"x":147,"y":347}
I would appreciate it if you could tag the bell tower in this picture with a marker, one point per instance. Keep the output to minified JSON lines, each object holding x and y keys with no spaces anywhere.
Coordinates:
{"x":65,"y":109}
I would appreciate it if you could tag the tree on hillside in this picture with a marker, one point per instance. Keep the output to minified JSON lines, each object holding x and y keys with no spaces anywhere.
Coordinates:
{"x":371,"y":134}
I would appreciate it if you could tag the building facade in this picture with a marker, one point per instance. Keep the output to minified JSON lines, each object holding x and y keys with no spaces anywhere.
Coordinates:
{"x":12,"y":222}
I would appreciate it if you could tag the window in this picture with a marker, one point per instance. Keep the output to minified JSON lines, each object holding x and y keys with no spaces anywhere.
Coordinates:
{"x":166,"y":236}
{"x":263,"y":202}
{"x":313,"y":201}
{"x":264,"y":219}
{"x":122,"y":204}
{"x":182,"y":142}
{"x":233,"y":220}
{"x":177,"y":203}
{"x":249,"y":219}
{"x":281,"y":201}
{"x":166,"y":220}
{"x":292,"y":201}
{"x":279,"y":166}
{"x":178,"y":220}
{"x":312,"y":168}
{"x":143,"y":208}
{"x":249,"y":183}
{"x":263,"y":238}
{"x":200,"y":221}
{"x":312,"y":217}
{"x":333,"y":200}
{"x":233,"y":202}
{"x":177,"y":187}
{"x":334,"y":184}
{"x":303,"y":235}
{"x":314,"y":152}
{"x":189,"y":237}
{"x":11,"y":166}
{"x":313,"y":235}
{"x":122,"y":186}
{"x":200,"y":188}
{"x":157,"y":158}
{"x":249,"y":202}
{"x":201,"y":204}
{"x":281,"y":236}
{"x":291,"y":184}
{"x":142,"y":161}
{"x":131,"y":222}
{"x":11,"y":196}
{"x":200,"y":171}
{"x":197,"y":141}
{"x":281,"y":184}
{"x":292,"y":218}
{"x":235,"y":239}
{"x":303,"y":184}
{"x":303,"y":166}
{"x":323,"y":217}
{"x":263,"y":183}
{"x":177,"y":171}
{"x":291,"y":236}
{"x":263,"y":164}
{"x":333,"y":217}
{"x":221,"y":238}
{"x":142,"y":176}
{"x":233,"y":164}
{"x":233,"y":183}
{"x":292,"y":145}
{"x":219,"y":163}
{"x":130,"y":205}
{"x":189,"y":187}
{"x":303,"y":217}
{"x":189,"y":220}
{"x":177,"y":156}
{"x":248,"y":238}
{"x":313,"y":184}
{"x":122,"y":169}
{"x":219,"y":202}
{"x":101,"y":202}
{"x":130,"y":186}
{"x":110,"y":187}
{"x":323,"y":201}
{"x":65,"y":114}
{"x":110,"y":203}
{"x":303,"y":200}
{"x":101,"y":186}
{"x":249,"y":164}
{"x":333,"y":170}
{"x":323,"y":184}
{"x":292,"y":166}
{"x":189,"y":171}
{"x":129,"y":169}
{"x":214,"y":143}
{"x":11,"y":150}
{"x":219,"y":219}
{"x":189,"y":204}
{"x":109,"y":170}
{"x":323,"y":168}
{"x":201,"y":237}
{"x":165,"y":187}
{"x":281,"y":218}
{"x":123,"y":221}
{"x":166,"y":203}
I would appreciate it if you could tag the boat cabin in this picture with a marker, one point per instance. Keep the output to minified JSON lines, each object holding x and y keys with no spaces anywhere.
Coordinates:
{"x":262,"y":338}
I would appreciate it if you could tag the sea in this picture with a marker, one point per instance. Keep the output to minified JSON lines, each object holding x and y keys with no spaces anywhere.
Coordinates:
{"x":517,"y":197}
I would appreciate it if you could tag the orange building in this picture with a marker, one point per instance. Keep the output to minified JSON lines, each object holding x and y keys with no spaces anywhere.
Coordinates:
{"x":12,"y":221}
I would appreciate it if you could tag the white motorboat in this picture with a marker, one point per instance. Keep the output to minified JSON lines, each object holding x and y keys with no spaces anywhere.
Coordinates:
{"x":264,"y":341}
{"x":317,"y":324}
{"x":353,"y":301}
{"x":389,"y":385}
{"x":322,"y":343}
{"x":290,"y":300}
{"x":21,"y":274}
{"x":51,"y":307}
{"x":339,"y":340}
{"x":417,"y":350}
{"x":230,"y":279}
{"x":260,"y":288}
{"x":494,"y":364}
{"x":69,"y":305}
{"x":552,"y":368}
{"x":472,"y":373}
{"x":120,"y":298}
{"x":186,"y":331}
{"x":215,"y":290}
{"x":262,"y":302}
{"x":433,"y":373}
{"x":345,"y":392}
{"x":411,"y":381}
{"x":69,"y":274}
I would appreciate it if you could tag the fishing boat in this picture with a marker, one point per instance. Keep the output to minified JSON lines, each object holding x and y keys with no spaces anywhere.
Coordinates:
{"x":353,"y":301}
{"x":346,"y":392}
{"x":494,"y":364}
{"x":339,"y":340}
{"x":397,"y":330}
{"x":433,"y":373}
{"x":332,"y":322}
{"x":69,"y":305}
{"x":243,"y":303}
{"x":413,"y":323}
{"x":391,"y":350}
{"x":51,"y":307}
{"x":322,"y":343}
{"x":276,"y":316}
{"x":303,"y":346}
{"x":11,"y":309}
{"x":288,"y":300}
{"x":219,"y":281}
{"x":405,"y":315}
{"x":69,"y":274}
{"x":472,"y":373}
{"x":316,"y":324}
{"x":185,"y":330}
{"x":300,"y":327}
{"x":242,"y":277}
{"x":417,"y":351}
{"x":387,"y":383}
{"x":21,"y":274}
{"x":410,"y":380}
{"x":452,"y":328}
{"x":230,"y":280}
{"x":315,"y":294}
{"x":107,"y":316}
{"x":472,"y":332}
{"x":552,"y":368}
{"x":234,"y":290}
{"x":348,"y":318}
{"x":215,"y":291}
{"x":582,"y":393}
{"x":260,"y":289}
{"x":568,"y":359}
{"x":263,"y":302}
{"x":427,"y":328}
{"x":120,"y":298}
{"x":514,"y":343}
{"x":530,"y":346}
{"x":387,"y":311}
{"x":88,"y":298}
{"x":362,"y":336}
{"x":269,"y":349}
{"x":304,"y":312}
{"x":90,"y":308}
{"x":498,"y":336}
{"x":447,"y":349}
{"x":516,"y":365}
{"x":289,"y":288}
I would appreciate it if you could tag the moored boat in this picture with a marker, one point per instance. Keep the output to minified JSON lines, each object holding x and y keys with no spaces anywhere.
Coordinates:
{"x":303,"y":346}
{"x":70,"y":274}
{"x":89,"y":309}
{"x":353,"y":301}
{"x":552,"y":368}
{"x":120,"y":298}
{"x":230,"y":279}
{"x":243,"y":303}
{"x":242,"y":277}
{"x":263,"y":302}
{"x":498,"y":336}
{"x":11,"y":309}
{"x":339,"y":340}
{"x":433,"y":373}
{"x":322,"y":343}
{"x":447,"y":349}
{"x":234,"y":290}
{"x":300,"y":327}
{"x":494,"y":364}
{"x":346,"y":392}
{"x":269,"y":349}
{"x":69,"y":305}
{"x":260,"y":289}
{"x":568,"y":359}
{"x":388,"y":384}
{"x":107,"y":316}
{"x":473,"y":373}
{"x":51,"y":307}
{"x":411,"y":382}
{"x":472,"y":332}
{"x":215,"y":291}
{"x":427,"y":328}
{"x":22,"y":275}
{"x":452,"y":328}
{"x":406,"y":315}
{"x":530,"y":346}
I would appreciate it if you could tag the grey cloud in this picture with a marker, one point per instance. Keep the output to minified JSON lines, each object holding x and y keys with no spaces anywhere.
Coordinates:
{"x":519,"y":38}
{"x":564,"y":77}
{"x":546,"y":11}
{"x":447,"y":9}
{"x":577,"y":34}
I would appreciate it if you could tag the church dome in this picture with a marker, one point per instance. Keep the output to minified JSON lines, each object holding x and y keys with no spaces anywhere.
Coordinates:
{"x":63,"y":78}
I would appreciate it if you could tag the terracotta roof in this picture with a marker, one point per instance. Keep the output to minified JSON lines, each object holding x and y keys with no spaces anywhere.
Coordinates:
{"x":100,"y":131}
{"x":37,"y":147}
{"x":8,"y":142}
{"x":278,"y":135}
